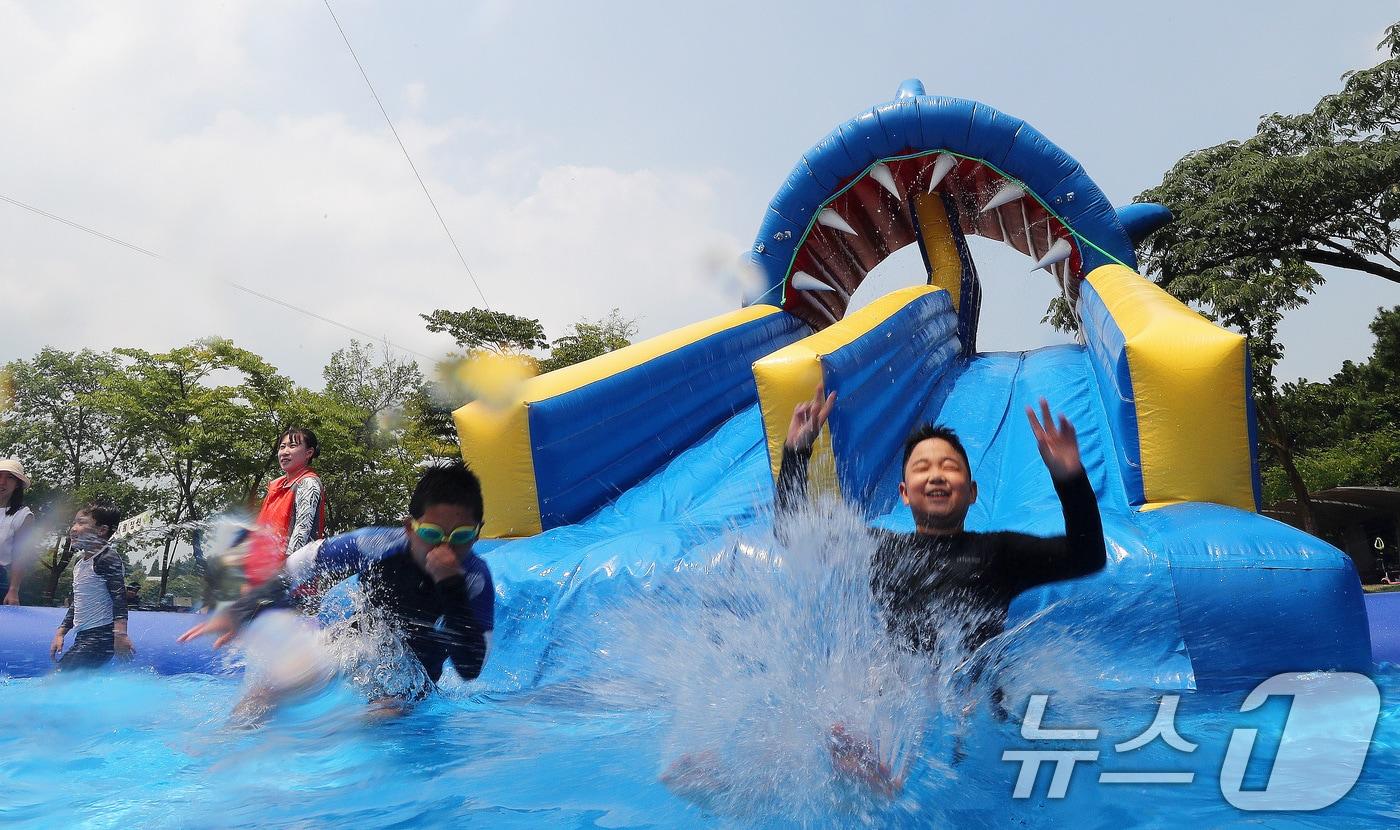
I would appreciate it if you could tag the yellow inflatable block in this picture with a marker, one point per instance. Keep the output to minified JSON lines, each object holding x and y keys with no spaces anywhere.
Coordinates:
{"x":1190,"y":392}
{"x":790,"y":376}
{"x":495,"y":437}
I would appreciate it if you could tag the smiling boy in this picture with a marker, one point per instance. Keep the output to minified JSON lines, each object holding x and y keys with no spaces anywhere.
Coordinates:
{"x":919,"y":577}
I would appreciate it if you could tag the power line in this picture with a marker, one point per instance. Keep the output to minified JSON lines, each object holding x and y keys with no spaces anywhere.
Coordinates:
{"x":307,"y":312}
{"x":99,"y":234}
{"x":409,"y":159}
{"x":83,"y":228}
{"x":325,"y":319}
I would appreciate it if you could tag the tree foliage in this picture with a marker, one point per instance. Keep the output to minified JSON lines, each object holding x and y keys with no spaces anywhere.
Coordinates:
{"x":207,"y":442}
{"x":1349,"y":427}
{"x":1320,"y":188}
{"x":74,"y":448}
{"x":590,"y":338}
{"x":1256,"y":218}
{"x":479,"y":328}
{"x":368,"y":466}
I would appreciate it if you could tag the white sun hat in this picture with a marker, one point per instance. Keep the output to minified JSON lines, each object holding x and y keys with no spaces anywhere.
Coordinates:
{"x":14,"y":467}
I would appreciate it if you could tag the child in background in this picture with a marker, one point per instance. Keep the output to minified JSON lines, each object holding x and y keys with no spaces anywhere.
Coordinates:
{"x":98,"y":607}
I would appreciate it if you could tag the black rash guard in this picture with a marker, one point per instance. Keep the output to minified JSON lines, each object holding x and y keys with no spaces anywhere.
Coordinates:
{"x":919,"y":579}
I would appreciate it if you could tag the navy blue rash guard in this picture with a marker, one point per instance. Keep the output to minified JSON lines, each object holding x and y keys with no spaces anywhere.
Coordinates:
{"x":437,"y":620}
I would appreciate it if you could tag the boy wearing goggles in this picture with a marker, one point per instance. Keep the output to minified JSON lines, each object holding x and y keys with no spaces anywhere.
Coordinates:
{"x":422,"y":579}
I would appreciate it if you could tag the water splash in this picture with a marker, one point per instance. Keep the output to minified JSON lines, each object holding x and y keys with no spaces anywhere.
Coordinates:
{"x":788,"y":697}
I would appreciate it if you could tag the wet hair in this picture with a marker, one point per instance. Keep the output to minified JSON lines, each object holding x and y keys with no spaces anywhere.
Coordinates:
{"x":925,"y":432}
{"x":452,"y":484}
{"x":16,"y":499}
{"x":307,"y":437}
{"x":105,"y":515}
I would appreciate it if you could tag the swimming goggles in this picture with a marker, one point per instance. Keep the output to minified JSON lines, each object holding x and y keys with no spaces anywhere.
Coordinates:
{"x":434,"y":535}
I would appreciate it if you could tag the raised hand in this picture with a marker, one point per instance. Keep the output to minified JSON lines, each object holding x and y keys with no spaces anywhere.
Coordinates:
{"x":1058,"y":444}
{"x":808,"y":418}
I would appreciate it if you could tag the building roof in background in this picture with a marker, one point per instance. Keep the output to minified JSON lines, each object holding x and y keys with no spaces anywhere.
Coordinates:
{"x":1342,"y":504}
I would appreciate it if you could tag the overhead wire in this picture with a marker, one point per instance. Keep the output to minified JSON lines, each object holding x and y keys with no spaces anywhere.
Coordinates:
{"x":402,"y":148}
{"x":283,"y":303}
{"x":234,"y":284}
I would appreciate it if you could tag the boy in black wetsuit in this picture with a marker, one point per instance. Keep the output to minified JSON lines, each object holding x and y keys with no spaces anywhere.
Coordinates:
{"x":423,"y":578}
{"x":942,"y":568}
{"x":922,"y":579}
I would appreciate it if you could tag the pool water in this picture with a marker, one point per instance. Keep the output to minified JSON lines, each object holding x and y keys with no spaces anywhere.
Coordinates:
{"x":735,"y":666}
{"x":134,"y":750}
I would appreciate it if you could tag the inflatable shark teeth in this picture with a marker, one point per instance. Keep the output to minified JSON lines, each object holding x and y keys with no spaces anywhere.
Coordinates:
{"x":832,"y":219}
{"x":941,"y":166}
{"x":881,"y":173}
{"x":1008,"y":194}
{"x":1059,"y":252}
{"x":803,"y":281}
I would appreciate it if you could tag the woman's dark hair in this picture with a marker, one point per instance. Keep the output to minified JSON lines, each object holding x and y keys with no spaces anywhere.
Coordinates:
{"x":106,"y":515}
{"x":16,"y":499}
{"x":447,"y":484}
{"x":926,"y":432}
{"x":307,"y":437}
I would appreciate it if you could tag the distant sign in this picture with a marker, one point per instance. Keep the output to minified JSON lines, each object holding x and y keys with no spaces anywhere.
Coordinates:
{"x":1379,"y":544}
{"x":136,"y":524}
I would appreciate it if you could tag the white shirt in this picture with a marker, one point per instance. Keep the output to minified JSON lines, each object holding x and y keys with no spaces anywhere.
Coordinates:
{"x":96,"y":580}
{"x":10,"y":539}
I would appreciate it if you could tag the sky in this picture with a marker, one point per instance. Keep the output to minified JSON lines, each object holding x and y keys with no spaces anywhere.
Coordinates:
{"x":585,"y":156}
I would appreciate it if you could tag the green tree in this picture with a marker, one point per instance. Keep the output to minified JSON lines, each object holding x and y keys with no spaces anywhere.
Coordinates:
{"x":376,"y":387}
{"x":430,"y":432}
{"x":1348,"y":427}
{"x":1255,"y":219}
{"x":496,"y":331}
{"x":205,"y":446}
{"x":75,"y":449}
{"x":369,"y":470}
{"x":588,"y":339}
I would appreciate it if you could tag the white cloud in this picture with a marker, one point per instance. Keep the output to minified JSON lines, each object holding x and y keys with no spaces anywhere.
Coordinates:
{"x":416,"y":94}
{"x":133,"y":127}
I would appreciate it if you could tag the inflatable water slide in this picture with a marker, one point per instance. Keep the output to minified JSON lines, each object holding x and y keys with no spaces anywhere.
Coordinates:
{"x":605,"y":473}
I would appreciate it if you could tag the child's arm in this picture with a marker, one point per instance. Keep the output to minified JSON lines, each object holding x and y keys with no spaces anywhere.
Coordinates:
{"x":470,"y":603}
{"x":64,"y":627}
{"x":22,"y":541}
{"x":1081,"y":550}
{"x":808,"y":418}
{"x":333,"y":559}
{"x":110,"y":567}
{"x":306,"y":508}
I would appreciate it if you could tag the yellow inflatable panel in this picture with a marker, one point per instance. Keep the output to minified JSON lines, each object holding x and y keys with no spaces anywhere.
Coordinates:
{"x":495,"y":440}
{"x":790,"y":376}
{"x":1190,"y":391}
{"x":940,"y":249}
{"x":495,"y":443}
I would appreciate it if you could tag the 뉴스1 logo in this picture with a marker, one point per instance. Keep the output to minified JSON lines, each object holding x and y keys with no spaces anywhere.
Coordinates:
{"x":1320,"y":756}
